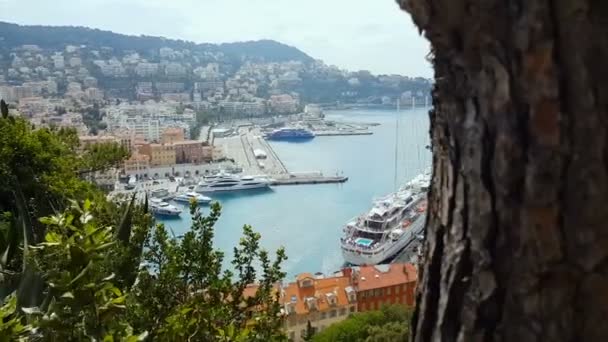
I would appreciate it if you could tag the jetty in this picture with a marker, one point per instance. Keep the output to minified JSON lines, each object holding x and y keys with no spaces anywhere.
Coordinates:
{"x":307,"y":179}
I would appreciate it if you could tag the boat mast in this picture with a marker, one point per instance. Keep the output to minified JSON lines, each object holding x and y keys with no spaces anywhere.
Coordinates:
{"x":396,"y":144}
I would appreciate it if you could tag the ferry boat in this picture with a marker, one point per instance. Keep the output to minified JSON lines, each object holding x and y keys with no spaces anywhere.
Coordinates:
{"x":391,"y":224}
{"x":188,"y":196}
{"x":162,"y":208}
{"x":227,"y":183}
{"x":290,"y":133}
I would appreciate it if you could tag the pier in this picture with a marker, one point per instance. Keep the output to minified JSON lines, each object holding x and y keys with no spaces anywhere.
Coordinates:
{"x":241,"y":146}
{"x":299,"y":180}
{"x":338,"y":133}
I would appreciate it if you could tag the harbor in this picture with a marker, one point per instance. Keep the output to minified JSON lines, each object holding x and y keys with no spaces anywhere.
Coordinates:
{"x":306,"y":219}
{"x":250,"y":151}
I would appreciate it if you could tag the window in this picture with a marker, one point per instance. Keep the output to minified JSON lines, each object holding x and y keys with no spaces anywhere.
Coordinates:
{"x":388,"y":291}
{"x":352,"y":309}
{"x":403,"y":287}
{"x":342,"y":311}
{"x":362,"y":294}
{"x":397,"y":289}
{"x":323,"y":315}
{"x":332,"y":313}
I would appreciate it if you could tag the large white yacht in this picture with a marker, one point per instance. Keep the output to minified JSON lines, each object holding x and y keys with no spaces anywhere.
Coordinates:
{"x":162,"y":208}
{"x":225,"y":183}
{"x":392,"y":223}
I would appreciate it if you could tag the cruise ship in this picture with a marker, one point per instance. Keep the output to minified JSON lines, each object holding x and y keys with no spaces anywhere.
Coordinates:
{"x":227,"y":183}
{"x":392,"y":223}
{"x":163,"y":209}
{"x":290,"y":133}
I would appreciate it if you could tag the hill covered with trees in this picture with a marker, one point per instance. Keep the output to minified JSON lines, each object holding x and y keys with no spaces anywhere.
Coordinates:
{"x":49,"y":37}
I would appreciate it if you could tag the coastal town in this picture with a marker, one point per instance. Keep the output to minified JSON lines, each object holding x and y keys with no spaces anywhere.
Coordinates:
{"x":195,"y":123}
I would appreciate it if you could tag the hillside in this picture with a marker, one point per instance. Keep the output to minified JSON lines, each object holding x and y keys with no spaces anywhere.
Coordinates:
{"x":50,"y":37}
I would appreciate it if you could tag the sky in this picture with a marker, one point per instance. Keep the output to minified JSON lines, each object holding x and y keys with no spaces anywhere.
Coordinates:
{"x":370,"y":35}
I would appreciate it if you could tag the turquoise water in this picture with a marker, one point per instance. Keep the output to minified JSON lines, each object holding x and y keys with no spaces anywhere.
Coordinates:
{"x":308,"y":219}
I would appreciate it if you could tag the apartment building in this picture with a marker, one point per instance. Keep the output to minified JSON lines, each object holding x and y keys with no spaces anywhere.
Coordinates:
{"x":319,"y":300}
{"x":160,"y":154}
{"x":380,"y":285}
{"x":172,"y":135}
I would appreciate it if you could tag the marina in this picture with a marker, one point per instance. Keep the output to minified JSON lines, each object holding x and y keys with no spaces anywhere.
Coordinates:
{"x":308,"y":220}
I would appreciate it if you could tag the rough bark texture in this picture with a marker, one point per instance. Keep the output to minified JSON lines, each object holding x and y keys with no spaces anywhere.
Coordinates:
{"x":517,"y":232}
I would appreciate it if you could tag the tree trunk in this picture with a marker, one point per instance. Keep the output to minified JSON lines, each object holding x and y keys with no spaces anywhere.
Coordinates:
{"x":517,"y":236}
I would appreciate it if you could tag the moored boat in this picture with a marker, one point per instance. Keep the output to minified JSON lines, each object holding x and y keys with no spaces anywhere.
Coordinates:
{"x":189,"y":196}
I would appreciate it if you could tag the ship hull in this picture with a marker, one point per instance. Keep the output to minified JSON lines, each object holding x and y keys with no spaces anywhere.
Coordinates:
{"x":207,"y":190}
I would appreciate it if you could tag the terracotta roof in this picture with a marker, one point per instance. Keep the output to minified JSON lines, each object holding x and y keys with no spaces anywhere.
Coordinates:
{"x":379,"y":276}
{"x":293,"y":293}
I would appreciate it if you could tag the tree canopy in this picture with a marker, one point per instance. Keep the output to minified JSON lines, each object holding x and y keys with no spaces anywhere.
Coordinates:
{"x":390,"y":323}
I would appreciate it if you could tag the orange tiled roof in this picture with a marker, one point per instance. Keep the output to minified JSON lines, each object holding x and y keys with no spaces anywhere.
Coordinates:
{"x":294,"y":293}
{"x":379,"y":276}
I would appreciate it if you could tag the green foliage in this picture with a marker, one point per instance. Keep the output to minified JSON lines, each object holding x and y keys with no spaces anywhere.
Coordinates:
{"x":81,"y":301}
{"x":389,"y":324}
{"x":11,"y":326}
{"x":182,"y":292}
{"x":42,"y":170}
{"x":102,"y":156}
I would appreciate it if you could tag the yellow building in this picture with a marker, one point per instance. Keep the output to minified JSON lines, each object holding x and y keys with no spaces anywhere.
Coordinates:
{"x":319,"y":300}
{"x":137,"y":164}
{"x":160,"y":154}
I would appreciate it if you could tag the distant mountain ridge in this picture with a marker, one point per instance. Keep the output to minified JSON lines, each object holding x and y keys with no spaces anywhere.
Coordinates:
{"x":14,"y":35}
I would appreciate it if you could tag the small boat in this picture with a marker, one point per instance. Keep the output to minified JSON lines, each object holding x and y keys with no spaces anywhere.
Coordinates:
{"x":189,"y":196}
{"x":162,"y":208}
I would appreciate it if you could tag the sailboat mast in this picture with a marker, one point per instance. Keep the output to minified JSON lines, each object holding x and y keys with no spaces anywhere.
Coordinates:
{"x":397,"y":143}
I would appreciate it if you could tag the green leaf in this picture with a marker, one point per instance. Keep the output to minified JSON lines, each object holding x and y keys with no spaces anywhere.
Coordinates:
{"x":124,"y":228}
{"x":68,"y":295}
{"x":82,"y":273}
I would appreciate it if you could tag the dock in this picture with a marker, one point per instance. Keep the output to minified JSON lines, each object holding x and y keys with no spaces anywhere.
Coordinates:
{"x":338,"y":133}
{"x":242,"y":148}
{"x":299,"y":180}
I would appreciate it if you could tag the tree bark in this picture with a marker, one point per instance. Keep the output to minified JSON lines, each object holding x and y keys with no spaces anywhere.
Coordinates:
{"x":517,"y":236}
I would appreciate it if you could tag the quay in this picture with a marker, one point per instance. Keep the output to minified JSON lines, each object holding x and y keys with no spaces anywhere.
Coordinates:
{"x":337,"y":133}
{"x":299,"y":180}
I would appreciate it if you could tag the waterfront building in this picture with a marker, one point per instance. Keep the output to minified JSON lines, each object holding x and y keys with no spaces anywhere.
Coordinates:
{"x":160,"y":154}
{"x":319,"y":300}
{"x":192,"y":152}
{"x":378,"y":285}
{"x":137,"y":164}
{"x":172,"y":135}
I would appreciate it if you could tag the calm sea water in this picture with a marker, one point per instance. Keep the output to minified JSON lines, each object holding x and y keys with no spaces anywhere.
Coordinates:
{"x":308,"y":219}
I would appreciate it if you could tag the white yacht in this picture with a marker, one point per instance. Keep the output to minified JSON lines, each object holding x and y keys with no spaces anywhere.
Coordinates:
{"x":161,"y":193}
{"x":188,"y":196}
{"x":162,"y":208}
{"x":225,"y":183}
{"x":392,"y":223}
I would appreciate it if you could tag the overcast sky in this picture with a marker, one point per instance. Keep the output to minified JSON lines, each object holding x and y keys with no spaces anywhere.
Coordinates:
{"x":352,"y":34}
